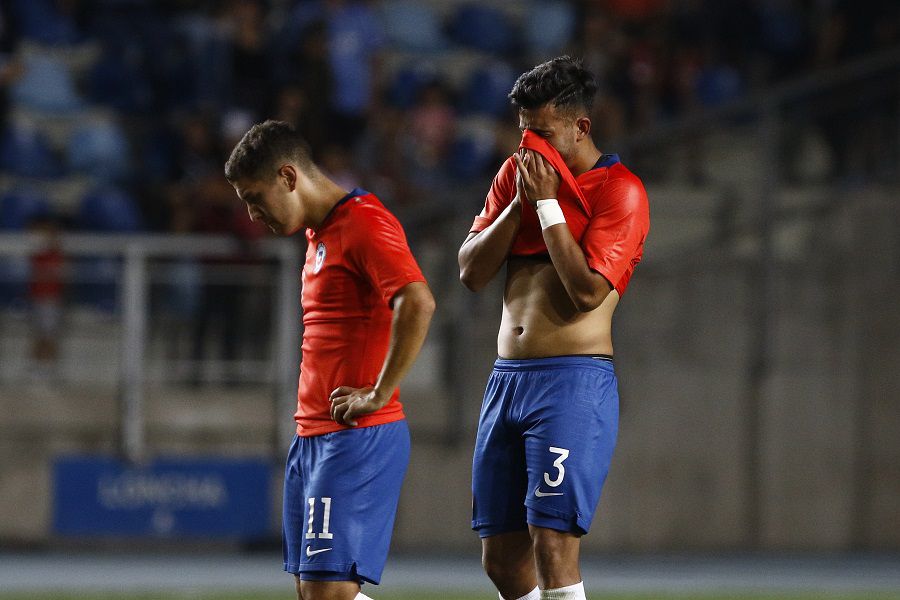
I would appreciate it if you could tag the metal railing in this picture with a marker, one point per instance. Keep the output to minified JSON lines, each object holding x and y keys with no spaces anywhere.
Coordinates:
{"x":136,"y":252}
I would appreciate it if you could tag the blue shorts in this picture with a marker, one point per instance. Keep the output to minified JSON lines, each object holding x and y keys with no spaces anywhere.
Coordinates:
{"x":545,"y":440}
{"x":340,"y":496}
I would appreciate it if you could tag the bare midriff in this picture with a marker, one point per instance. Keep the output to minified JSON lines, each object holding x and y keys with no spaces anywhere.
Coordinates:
{"x":540,"y":320}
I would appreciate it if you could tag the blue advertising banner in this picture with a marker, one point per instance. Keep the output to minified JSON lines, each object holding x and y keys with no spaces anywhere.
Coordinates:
{"x":211,"y":498}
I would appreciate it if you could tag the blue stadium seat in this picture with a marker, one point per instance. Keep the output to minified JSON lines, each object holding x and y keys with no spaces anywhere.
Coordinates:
{"x":108,"y":209}
{"x":717,"y":84}
{"x":412,"y":26}
{"x":40,"y":21}
{"x":100,"y":150}
{"x":471,"y":155}
{"x":548,"y":27}
{"x":116,"y":81}
{"x":151,"y":48}
{"x":25,"y":152}
{"x":484,"y":28}
{"x":486,"y":91}
{"x":15,"y":273}
{"x":157,"y":157}
{"x":408,"y":82}
{"x":21,"y":206}
{"x":46,"y":85}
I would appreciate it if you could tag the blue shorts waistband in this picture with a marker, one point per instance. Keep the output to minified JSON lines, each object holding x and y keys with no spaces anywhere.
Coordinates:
{"x":598,"y":361}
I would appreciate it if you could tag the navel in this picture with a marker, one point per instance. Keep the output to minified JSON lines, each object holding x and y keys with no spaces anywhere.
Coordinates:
{"x":518,"y":330}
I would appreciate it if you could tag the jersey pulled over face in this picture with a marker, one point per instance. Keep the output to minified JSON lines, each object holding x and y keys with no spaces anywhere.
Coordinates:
{"x":610,"y":226}
{"x":356,"y":261}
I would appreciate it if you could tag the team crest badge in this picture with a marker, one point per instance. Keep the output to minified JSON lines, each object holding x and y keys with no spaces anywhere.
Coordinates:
{"x":320,"y":257}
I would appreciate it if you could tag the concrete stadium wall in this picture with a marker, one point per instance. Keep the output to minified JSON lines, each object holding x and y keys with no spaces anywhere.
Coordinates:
{"x":828,"y":408}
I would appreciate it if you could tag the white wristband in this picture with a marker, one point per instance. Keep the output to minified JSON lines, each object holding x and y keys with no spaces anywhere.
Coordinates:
{"x":549,"y":213}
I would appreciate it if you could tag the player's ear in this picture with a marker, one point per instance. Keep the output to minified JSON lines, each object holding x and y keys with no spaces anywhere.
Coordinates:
{"x":584,"y":127}
{"x":288,"y":174}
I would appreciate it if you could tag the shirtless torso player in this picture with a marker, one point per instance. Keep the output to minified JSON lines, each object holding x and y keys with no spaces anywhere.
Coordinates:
{"x":550,"y":415}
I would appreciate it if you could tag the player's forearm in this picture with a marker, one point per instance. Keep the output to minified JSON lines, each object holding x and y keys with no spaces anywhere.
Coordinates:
{"x":483,"y":253}
{"x":586,"y":288}
{"x":413,"y":309}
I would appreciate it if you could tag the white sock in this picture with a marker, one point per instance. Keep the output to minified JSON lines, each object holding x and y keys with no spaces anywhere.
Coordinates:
{"x":361,"y":596}
{"x":534,"y":594}
{"x":570,"y":592}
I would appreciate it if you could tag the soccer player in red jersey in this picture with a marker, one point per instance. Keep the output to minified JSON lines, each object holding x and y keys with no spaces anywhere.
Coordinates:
{"x":366,"y":311}
{"x":570,"y":223}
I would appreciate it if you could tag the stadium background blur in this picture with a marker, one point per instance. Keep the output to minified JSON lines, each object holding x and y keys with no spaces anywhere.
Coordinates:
{"x":142,"y":315}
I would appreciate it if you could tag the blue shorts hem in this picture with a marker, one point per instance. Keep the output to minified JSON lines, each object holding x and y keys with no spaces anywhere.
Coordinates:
{"x":330,"y":572}
{"x":487,"y":530}
{"x":541,"y":516}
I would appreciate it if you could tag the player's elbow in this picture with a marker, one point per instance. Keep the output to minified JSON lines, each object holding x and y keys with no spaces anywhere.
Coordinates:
{"x":472,"y":271}
{"x":415,"y":302}
{"x":589,"y":293}
{"x":584,"y":304}
{"x":425,"y":305}
{"x":421,"y":303}
{"x":588,"y":300}
{"x":470,"y":279}
{"x":466,"y":275}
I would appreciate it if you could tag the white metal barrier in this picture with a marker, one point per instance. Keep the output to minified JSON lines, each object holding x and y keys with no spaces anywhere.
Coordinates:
{"x":136,"y":251}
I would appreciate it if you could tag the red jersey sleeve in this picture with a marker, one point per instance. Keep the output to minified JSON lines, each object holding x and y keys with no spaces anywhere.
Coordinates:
{"x":376,"y":246}
{"x":503,"y":190}
{"x":614,"y":240}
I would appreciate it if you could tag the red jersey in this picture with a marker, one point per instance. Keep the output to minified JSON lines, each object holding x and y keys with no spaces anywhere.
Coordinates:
{"x":606,"y":209}
{"x":356,"y":261}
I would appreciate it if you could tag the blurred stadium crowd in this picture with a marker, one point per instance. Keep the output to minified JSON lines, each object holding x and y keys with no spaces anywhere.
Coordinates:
{"x":141,"y":100}
{"x":116,"y":115}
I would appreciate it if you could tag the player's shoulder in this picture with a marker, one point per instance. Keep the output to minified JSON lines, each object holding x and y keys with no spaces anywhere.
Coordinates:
{"x":364,"y":215}
{"x":623,"y":189}
{"x":367,"y":205}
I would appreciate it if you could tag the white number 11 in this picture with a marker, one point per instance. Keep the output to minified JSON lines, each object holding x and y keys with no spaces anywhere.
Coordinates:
{"x":326,"y":517}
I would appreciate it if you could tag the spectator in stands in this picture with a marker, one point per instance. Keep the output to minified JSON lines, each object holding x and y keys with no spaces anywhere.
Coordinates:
{"x":199,"y":151}
{"x":603,"y":47}
{"x":10,"y":67}
{"x":355,"y":39}
{"x":308,"y":79}
{"x":427,"y":134}
{"x":46,"y":295}
{"x":251,"y":73}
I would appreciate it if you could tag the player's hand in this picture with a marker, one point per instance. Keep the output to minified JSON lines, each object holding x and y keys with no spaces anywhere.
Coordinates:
{"x":536,"y":179}
{"x":349,"y":402}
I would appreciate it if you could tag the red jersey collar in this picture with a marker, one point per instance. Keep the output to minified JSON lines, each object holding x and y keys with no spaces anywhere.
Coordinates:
{"x":354,"y":193}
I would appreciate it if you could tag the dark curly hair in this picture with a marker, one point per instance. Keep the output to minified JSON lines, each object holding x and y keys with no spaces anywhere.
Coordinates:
{"x":264,"y":149}
{"x":562,"y":80}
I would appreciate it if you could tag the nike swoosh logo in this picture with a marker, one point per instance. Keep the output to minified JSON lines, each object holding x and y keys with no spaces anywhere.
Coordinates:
{"x":540,"y":494}
{"x":310,"y":552}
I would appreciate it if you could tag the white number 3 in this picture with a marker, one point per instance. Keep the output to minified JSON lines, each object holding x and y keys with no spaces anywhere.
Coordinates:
{"x":558,"y":463}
